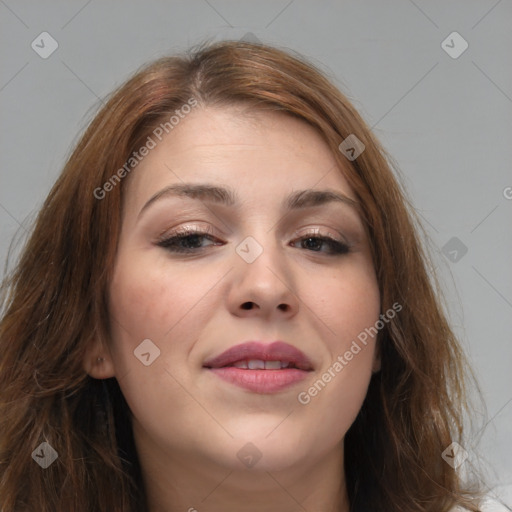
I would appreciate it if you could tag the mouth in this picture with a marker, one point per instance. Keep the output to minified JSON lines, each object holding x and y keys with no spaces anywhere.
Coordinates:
{"x":260,"y":364}
{"x":261,"y":368}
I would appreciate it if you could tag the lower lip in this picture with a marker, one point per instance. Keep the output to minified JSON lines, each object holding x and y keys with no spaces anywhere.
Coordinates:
{"x":260,"y":381}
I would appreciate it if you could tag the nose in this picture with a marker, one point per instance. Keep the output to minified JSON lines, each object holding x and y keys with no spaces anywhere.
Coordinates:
{"x":265,"y":286}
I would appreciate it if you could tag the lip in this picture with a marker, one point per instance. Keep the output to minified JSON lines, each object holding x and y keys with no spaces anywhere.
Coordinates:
{"x":261,"y":381}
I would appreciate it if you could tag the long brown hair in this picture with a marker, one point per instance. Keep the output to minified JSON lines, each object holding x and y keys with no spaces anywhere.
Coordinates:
{"x":55,"y":303}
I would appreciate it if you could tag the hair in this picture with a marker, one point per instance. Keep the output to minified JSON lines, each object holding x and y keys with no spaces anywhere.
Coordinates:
{"x":54,"y":303}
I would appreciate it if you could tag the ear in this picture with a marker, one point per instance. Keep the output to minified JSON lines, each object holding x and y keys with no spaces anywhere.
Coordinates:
{"x":98,"y":360}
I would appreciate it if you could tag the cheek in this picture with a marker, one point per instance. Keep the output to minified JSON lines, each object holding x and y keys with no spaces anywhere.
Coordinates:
{"x":349,"y":307}
{"x":149,"y":300}
{"x":347,"y":302}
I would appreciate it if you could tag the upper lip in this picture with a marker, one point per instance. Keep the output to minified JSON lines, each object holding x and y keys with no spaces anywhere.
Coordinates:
{"x":276,"y":351}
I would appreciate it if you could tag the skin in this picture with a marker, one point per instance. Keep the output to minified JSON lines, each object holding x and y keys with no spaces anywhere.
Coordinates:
{"x":189,"y":424}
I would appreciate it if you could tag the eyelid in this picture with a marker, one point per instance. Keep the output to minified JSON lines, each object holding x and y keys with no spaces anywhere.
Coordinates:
{"x":339,"y":236}
{"x":184,"y":230}
{"x":208,"y":230}
{"x":337,"y":247}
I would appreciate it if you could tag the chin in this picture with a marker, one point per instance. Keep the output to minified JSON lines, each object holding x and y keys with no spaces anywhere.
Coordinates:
{"x":267,"y":448}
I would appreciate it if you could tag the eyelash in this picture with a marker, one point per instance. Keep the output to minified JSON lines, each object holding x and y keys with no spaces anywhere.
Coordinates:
{"x":169,"y":243}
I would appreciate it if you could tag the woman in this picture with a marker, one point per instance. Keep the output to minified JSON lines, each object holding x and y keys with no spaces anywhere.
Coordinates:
{"x":224,"y":305}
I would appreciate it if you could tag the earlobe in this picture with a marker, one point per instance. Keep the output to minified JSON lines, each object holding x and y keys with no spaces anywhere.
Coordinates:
{"x":98,"y":362}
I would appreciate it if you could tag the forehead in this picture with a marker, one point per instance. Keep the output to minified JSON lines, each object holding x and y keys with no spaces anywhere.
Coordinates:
{"x":263,"y":154}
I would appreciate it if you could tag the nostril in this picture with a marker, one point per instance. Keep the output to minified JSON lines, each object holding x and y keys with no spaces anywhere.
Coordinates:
{"x":247,"y":305}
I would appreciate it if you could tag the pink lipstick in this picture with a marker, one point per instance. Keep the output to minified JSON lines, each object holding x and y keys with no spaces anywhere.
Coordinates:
{"x":259,"y":367}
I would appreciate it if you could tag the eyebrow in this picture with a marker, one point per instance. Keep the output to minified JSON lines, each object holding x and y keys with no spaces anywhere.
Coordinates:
{"x":226,"y":196}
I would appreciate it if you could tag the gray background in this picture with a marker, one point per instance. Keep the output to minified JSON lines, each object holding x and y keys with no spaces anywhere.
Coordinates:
{"x":446,"y":121}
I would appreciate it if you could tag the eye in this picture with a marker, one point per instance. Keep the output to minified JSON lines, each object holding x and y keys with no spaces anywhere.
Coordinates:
{"x":314,"y":242}
{"x":189,"y":240}
{"x":186,"y":240}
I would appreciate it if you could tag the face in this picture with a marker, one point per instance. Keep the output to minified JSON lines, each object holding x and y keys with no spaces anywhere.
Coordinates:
{"x":253,"y":270}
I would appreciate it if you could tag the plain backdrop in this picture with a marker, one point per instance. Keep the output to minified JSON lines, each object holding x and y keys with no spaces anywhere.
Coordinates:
{"x":445,"y":117}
